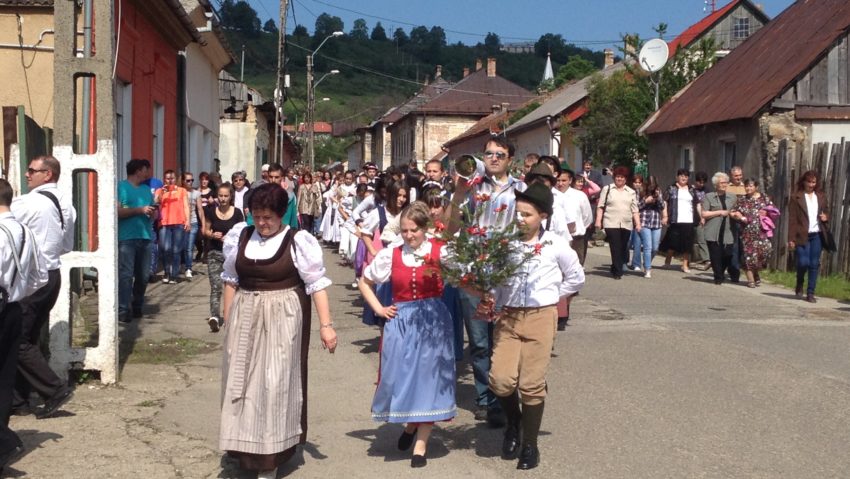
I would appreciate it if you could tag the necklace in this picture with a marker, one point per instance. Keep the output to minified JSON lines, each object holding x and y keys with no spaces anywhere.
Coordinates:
{"x":263,"y":239}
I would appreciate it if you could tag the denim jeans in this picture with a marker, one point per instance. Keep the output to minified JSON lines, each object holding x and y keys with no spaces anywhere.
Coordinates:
{"x":134,"y":258}
{"x":189,"y":247}
{"x":808,"y":260}
{"x":170,"y":248}
{"x":648,"y":239}
{"x":480,"y":335}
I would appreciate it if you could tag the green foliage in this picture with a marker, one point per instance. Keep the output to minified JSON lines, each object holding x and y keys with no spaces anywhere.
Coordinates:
{"x":561,"y":51}
{"x":620,"y":104}
{"x":300,"y":32}
{"x":833,"y":286}
{"x":400,"y":37}
{"x":576,"y":68}
{"x":327,"y":24}
{"x":517,"y":115}
{"x":270,"y":27}
{"x":492,"y":44}
{"x":330,"y":149}
{"x":378,"y":33}
{"x":360,"y":31}
{"x":240,"y":16}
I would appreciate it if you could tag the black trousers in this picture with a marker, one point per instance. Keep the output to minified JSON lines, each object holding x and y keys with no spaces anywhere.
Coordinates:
{"x":34,"y":373}
{"x":722,"y":260}
{"x":618,"y":243}
{"x":307,"y":222}
{"x":10,"y":334}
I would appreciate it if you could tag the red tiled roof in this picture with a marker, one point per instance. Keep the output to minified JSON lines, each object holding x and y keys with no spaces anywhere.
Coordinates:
{"x":759,"y":70}
{"x":318,"y":127}
{"x":697,"y":29}
{"x":489,"y":125}
{"x":475,"y":95}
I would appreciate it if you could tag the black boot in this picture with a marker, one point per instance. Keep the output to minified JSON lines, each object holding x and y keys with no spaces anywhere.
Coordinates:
{"x":510,"y":443}
{"x":532,"y":416}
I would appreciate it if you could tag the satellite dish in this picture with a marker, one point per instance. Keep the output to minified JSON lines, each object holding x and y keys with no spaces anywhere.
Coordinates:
{"x":653,"y":56}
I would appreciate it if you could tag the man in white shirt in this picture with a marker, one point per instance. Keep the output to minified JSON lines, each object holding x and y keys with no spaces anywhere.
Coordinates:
{"x":576,"y":201}
{"x":51,"y":216}
{"x":18,"y":256}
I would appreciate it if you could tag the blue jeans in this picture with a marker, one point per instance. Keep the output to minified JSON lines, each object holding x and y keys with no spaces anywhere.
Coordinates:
{"x":808,"y":260}
{"x":189,"y":245}
{"x":480,"y":335}
{"x":134,"y":259}
{"x":648,"y":239}
{"x":170,"y":248}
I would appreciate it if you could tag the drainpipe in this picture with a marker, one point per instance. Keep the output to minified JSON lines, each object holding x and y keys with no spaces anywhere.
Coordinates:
{"x":182,"y":123}
{"x":87,"y":136}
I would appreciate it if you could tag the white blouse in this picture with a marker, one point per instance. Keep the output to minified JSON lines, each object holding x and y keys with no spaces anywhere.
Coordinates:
{"x":812,"y":211}
{"x":306,"y":254}
{"x":381,"y":268}
{"x":545,"y":277}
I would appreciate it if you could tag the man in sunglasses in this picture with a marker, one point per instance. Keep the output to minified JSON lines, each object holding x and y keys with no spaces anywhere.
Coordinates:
{"x":49,"y":213}
{"x":500,"y":187}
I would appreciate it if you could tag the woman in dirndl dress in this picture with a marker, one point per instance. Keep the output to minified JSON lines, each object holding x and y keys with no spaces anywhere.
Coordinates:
{"x":270,"y":272}
{"x":329,"y":227}
{"x":417,"y":382}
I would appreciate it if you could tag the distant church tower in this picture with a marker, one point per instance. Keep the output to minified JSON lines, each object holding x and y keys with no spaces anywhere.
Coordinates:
{"x":547,"y":72}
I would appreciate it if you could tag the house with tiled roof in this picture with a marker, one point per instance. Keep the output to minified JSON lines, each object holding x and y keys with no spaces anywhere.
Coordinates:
{"x":420,"y":134}
{"x":729,"y":26}
{"x":771,"y":106}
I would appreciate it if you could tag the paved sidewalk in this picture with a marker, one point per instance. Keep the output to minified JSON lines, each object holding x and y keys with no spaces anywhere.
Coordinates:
{"x":664,"y":377}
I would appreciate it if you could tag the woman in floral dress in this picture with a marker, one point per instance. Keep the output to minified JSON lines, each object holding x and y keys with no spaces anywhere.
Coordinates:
{"x":756,"y":245}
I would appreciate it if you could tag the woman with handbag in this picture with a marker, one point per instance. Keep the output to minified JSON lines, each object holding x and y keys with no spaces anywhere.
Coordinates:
{"x":617,"y":212}
{"x":806,"y":222}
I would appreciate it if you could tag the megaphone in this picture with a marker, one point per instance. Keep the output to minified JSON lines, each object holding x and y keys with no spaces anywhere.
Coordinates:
{"x":468,"y":167}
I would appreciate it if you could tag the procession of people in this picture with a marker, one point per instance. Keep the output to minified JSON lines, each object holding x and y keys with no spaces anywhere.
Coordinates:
{"x":266,"y":246}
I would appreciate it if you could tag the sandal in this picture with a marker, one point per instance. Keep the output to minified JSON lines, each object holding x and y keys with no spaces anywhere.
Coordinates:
{"x":751,"y":284}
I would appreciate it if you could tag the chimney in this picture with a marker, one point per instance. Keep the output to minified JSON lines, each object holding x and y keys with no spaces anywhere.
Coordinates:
{"x":491,"y":67}
{"x":609,"y":57}
{"x":465,"y":72}
{"x":504,"y":107}
{"x":477,"y":64}
{"x":495,"y":109}
{"x":439,"y":72}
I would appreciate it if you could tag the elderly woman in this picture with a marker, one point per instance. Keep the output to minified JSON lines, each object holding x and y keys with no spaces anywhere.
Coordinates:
{"x":718,"y":228}
{"x":755,"y":244}
{"x":617,"y":212}
{"x":270,"y":272}
{"x":684,"y":213}
{"x":806,"y":210}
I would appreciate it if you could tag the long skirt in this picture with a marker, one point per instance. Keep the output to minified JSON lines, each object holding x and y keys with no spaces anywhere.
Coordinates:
{"x":361,"y":256}
{"x":330,"y":227}
{"x":384,"y":292}
{"x":417,"y":365}
{"x":679,"y":238}
{"x":347,"y":244}
{"x":264,"y":377}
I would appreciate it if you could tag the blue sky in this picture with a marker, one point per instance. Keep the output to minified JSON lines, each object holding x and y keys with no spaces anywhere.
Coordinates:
{"x":595,"y":24}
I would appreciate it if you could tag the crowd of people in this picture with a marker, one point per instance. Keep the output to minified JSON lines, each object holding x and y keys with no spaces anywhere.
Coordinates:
{"x":264,"y":245}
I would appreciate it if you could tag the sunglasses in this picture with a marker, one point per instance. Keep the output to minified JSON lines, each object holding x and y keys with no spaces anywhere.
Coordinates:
{"x":498,"y":154}
{"x":189,"y":180}
{"x":32,"y":171}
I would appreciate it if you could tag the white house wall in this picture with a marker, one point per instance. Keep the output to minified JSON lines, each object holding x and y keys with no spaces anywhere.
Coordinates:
{"x":534,"y":140}
{"x":829,"y":131}
{"x":238,"y":145}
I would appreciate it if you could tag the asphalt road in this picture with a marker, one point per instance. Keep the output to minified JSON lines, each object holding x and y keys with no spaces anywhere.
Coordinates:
{"x":664,"y":377}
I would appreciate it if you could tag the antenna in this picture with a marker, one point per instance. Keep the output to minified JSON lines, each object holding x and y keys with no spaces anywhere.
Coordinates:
{"x":710,"y":6}
{"x":653,"y":56}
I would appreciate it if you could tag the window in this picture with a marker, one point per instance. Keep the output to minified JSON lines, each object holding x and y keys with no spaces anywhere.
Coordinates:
{"x":686,"y":158}
{"x":741,"y":28}
{"x":158,"y":138}
{"x":727,"y":160}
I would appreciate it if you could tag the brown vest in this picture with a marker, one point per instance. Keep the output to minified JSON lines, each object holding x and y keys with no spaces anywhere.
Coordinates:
{"x":275,"y":273}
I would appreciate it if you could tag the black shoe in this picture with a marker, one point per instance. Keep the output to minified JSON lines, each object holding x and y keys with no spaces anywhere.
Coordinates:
{"x":10,"y":456}
{"x":798,"y":291}
{"x":562,"y":323}
{"x":480,"y":413}
{"x":52,"y":405}
{"x":23,"y":410}
{"x":418,"y":461}
{"x":529,"y":458}
{"x":511,"y":441}
{"x":137,"y":313}
{"x":406,"y":440}
{"x":124,"y":318}
{"x":811,"y":298}
{"x":496,"y":418}
{"x":215,"y":324}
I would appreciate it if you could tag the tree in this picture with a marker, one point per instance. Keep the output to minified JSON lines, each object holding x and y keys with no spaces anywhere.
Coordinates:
{"x":239,"y":16}
{"x":419,"y":35}
{"x":400,"y":37}
{"x":379,"y":34}
{"x":576,"y":68}
{"x":270,"y":26}
{"x":492,"y":44}
{"x":300,"y":31}
{"x":360,"y":31}
{"x":551,"y":43}
{"x":326,"y":25}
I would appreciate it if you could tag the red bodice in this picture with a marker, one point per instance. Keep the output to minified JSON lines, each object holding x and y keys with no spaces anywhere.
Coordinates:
{"x":417,"y":282}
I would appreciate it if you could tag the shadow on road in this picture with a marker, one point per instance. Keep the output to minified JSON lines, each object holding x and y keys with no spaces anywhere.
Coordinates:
{"x":32,"y":441}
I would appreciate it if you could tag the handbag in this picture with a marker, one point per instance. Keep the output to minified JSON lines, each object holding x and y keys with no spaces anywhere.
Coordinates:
{"x":826,"y":238}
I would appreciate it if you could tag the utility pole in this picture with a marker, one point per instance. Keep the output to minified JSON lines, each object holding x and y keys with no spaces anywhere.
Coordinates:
{"x":310,"y":109}
{"x":278,"y":92}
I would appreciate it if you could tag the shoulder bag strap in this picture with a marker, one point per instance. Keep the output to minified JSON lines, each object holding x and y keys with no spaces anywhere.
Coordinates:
{"x":55,"y":202}
{"x":16,"y":256}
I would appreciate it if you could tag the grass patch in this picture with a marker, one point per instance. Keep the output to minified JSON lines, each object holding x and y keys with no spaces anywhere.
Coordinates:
{"x":833,"y":286}
{"x":150,"y":403}
{"x":169,"y":351}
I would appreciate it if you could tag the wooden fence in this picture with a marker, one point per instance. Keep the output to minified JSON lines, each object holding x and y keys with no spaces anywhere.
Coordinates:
{"x":832,"y":162}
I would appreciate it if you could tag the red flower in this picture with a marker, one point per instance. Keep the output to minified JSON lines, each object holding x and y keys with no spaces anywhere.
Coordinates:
{"x":427,"y":258}
{"x":482,"y":232}
{"x":482,"y":257}
{"x":439,"y":226}
{"x":473,"y":230}
{"x":475,"y":181}
{"x":537,"y":248}
{"x":501,"y":208}
{"x":467,"y":278}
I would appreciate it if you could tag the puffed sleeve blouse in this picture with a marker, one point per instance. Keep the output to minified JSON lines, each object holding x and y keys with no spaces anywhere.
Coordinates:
{"x":307,"y":256}
{"x":381,"y":268}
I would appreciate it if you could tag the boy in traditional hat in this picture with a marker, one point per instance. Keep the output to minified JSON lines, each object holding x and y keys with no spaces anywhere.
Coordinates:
{"x":525,"y":327}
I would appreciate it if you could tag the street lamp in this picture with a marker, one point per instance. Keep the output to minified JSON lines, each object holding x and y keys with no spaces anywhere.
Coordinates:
{"x":311,"y":100}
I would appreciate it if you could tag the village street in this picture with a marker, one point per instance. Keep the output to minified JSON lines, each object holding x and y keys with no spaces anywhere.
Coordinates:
{"x":664,"y":377}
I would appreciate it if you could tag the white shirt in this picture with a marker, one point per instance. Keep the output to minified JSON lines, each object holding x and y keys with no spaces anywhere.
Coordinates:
{"x":38,"y":213}
{"x":585,"y":217}
{"x":812,"y":211}
{"x":381,"y":268}
{"x":33,"y":274}
{"x":684,"y":206}
{"x":545,"y":277}
{"x":561,"y":218}
{"x":239,"y":197}
{"x":306,"y":254}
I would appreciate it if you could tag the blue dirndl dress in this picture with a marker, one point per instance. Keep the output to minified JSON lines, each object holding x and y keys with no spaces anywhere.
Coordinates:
{"x":417,"y":382}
